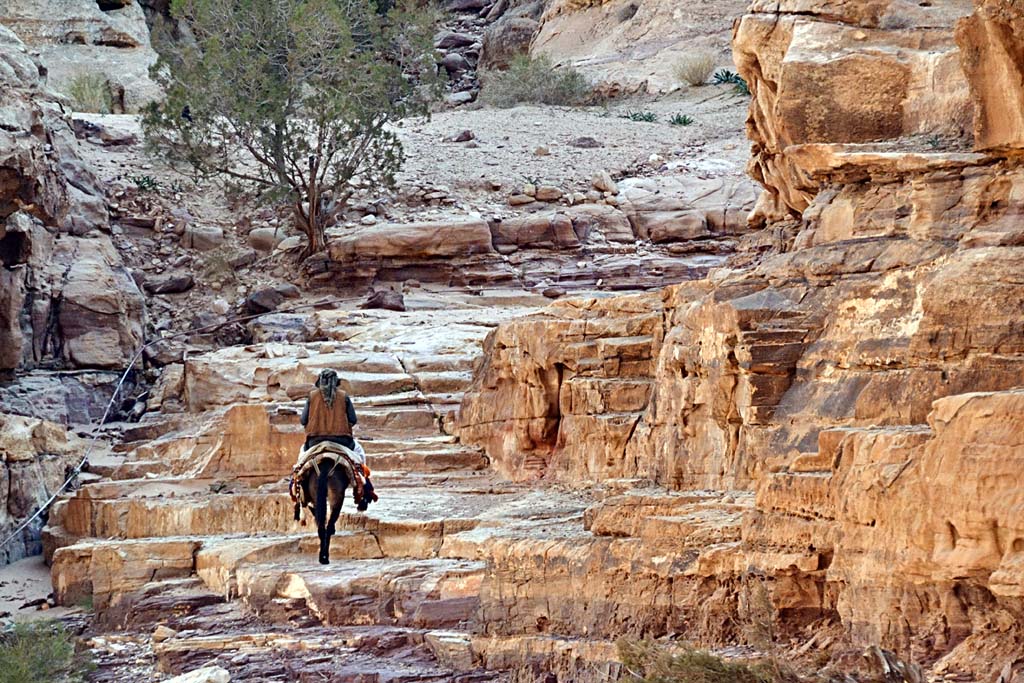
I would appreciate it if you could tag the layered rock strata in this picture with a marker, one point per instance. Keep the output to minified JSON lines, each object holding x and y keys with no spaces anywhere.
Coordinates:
{"x":852,"y":380}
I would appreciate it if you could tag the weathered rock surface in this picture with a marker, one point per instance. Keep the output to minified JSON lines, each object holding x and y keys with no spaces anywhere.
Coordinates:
{"x":863,"y":373}
{"x":816,"y":426}
{"x":506,"y":39}
{"x":69,"y":300}
{"x":40,"y":169}
{"x":825,"y":74}
{"x":76,"y":38}
{"x":35,"y":458}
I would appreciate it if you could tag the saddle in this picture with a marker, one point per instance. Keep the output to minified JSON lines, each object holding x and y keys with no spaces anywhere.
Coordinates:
{"x":324,"y":454}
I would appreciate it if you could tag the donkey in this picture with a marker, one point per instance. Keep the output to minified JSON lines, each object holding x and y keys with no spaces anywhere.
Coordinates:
{"x":326,"y":487}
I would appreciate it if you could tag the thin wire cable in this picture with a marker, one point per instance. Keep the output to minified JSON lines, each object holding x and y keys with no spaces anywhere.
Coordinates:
{"x":117,"y":390}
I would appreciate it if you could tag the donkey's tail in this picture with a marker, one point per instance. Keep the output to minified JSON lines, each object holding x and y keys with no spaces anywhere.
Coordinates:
{"x":320,"y":506}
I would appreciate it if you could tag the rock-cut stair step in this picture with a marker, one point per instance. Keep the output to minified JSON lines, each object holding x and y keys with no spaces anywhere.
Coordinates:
{"x":426,"y":593}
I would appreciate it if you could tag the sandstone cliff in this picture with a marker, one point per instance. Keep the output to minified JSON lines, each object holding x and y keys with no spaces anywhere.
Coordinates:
{"x":835,"y":378}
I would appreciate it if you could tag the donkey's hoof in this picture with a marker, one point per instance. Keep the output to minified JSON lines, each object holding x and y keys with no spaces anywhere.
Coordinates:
{"x":324,"y":560}
{"x":330,"y":530}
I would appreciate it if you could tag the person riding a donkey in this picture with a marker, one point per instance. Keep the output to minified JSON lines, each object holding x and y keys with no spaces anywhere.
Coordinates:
{"x":334,"y":456}
{"x":330,"y":416}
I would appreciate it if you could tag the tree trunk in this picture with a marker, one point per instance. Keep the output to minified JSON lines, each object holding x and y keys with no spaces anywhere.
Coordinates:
{"x":311,"y":226}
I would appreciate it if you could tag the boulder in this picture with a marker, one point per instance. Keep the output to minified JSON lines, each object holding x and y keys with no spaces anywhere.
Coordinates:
{"x":548,"y":193}
{"x":446,"y":40}
{"x":550,"y":231}
{"x":282,"y":327}
{"x":265,"y":239}
{"x":169,"y":284}
{"x":506,"y":39}
{"x":454,"y":63}
{"x":101,"y":309}
{"x":203,"y":237}
{"x":386,"y":299}
{"x":586,"y":142}
{"x":164,"y":352}
{"x":461,"y":136}
{"x":602,"y":182}
{"x":672,"y":226}
{"x":207,"y":674}
{"x":263,"y":300}
{"x":454,"y":237}
{"x":97,"y":132}
{"x":607,"y":221}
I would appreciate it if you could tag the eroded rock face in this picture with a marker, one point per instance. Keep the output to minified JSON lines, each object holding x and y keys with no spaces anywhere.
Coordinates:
{"x":565,"y":389}
{"x":66,"y":300}
{"x":822,"y":72}
{"x":900,"y":518}
{"x":40,"y":171}
{"x":991,"y":48}
{"x":86,"y":38}
{"x":35,"y":457}
{"x":633,"y":47}
{"x":70,"y":300}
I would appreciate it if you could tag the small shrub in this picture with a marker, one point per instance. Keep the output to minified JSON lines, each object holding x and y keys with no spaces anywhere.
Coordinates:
{"x":90,"y":93}
{"x":649,"y":662}
{"x":145,"y":183}
{"x":537,"y":81}
{"x":934,"y":141}
{"x":40,"y":651}
{"x":695,"y":67}
{"x":643,"y":116}
{"x":681,"y":120}
{"x":726,"y":77}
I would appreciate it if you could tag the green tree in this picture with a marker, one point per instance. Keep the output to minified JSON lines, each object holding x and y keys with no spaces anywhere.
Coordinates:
{"x":294,"y":100}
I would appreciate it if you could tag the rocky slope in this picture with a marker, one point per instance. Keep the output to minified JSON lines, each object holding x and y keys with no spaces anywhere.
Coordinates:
{"x":811,"y":430}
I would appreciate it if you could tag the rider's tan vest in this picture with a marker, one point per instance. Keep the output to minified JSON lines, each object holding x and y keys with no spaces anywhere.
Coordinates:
{"x":327,"y":420}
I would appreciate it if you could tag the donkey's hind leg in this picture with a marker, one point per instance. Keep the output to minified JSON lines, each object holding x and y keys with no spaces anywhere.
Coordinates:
{"x":337,"y":500}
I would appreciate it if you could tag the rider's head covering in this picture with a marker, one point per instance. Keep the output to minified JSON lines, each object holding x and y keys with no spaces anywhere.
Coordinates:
{"x":328,"y":384}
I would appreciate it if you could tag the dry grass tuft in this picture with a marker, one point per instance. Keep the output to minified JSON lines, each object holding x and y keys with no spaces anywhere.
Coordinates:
{"x":694,"y":68}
